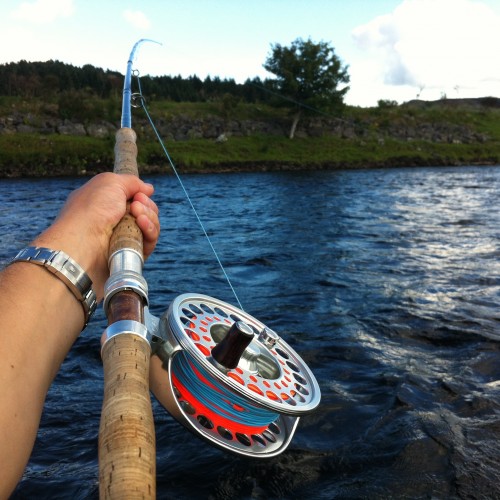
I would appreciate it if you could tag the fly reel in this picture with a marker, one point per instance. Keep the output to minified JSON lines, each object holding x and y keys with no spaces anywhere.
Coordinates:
{"x":228,"y":378}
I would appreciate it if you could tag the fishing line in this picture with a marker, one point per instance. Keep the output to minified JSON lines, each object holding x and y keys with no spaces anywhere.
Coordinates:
{"x":220,"y":372}
{"x":139,"y":101}
{"x":212,"y":395}
{"x":250,"y":405}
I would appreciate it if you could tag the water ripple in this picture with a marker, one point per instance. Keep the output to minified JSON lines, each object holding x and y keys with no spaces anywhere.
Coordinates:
{"x":387,"y":282}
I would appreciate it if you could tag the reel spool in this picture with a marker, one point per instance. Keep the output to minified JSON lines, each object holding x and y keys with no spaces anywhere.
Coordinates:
{"x":228,"y":378}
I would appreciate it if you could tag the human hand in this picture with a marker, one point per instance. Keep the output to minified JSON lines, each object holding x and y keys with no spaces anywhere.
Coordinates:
{"x":145,"y":211}
{"x":86,"y":222}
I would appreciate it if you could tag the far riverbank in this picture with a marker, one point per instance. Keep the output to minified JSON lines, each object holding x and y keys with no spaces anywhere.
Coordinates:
{"x":36,"y":142}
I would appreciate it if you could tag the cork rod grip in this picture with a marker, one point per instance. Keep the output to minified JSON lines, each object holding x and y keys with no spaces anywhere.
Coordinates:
{"x":127,"y":453}
{"x":126,"y":233}
{"x":126,"y":152}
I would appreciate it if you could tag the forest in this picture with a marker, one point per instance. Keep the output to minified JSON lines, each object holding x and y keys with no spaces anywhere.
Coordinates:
{"x":53,"y":78}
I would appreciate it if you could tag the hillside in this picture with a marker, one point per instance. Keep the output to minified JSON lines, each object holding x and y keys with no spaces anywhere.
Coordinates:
{"x":75,"y":135}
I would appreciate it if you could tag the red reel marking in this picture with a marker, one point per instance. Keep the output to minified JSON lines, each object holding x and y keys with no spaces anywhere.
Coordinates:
{"x":236,"y":377}
{"x":256,"y":389}
{"x":193,"y":335}
{"x":203,"y":349}
{"x":271,"y":395}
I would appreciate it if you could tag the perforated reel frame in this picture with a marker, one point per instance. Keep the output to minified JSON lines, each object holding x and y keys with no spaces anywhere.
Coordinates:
{"x":274,"y":378}
{"x":262,"y":444}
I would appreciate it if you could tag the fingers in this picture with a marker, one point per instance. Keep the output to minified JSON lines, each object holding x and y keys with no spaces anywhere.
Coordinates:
{"x":133,"y":185}
{"x":145,"y":212}
{"x":145,"y":200}
{"x":142,"y":207}
{"x":108,"y":193}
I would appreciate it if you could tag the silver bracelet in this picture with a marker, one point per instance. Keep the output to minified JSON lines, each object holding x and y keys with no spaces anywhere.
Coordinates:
{"x":67,"y":270}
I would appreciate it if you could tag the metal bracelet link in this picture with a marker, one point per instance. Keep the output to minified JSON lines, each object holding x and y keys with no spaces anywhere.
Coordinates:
{"x":67,"y":270}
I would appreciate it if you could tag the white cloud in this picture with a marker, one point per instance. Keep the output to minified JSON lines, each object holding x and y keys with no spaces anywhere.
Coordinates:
{"x":137,"y":19}
{"x":43,"y":11}
{"x":436,"y":47}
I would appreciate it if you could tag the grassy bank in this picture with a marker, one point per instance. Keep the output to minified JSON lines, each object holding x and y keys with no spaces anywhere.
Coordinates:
{"x":378,"y":144}
{"x":270,"y":152}
{"x":40,"y":155}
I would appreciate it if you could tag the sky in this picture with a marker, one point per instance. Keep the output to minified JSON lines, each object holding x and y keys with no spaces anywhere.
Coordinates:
{"x":395,"y":50}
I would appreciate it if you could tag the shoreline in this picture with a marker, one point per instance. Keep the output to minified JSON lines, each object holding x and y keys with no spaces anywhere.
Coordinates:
{"x":34,"y":172}
{"x":36,"y":140}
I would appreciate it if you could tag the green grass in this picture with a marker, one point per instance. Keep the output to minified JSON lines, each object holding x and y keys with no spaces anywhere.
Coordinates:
{"x":33,"y":154}
{"x":252,"y":152}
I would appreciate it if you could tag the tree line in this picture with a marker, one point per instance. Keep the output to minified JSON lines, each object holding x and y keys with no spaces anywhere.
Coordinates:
{"x":309,"y":78}
{"x":51,"y":78}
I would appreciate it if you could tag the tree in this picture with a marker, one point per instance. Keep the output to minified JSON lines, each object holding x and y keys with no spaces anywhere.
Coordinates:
{"x":308,"y":75}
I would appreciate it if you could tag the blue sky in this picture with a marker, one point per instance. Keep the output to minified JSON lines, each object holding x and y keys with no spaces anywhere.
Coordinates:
{"x":395,"y":49}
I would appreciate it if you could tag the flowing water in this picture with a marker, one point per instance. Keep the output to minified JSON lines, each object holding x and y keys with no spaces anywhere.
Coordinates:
{"x":387,"y":283}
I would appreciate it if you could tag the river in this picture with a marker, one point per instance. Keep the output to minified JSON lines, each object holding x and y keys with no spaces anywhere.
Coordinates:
{"x":385,"y":281}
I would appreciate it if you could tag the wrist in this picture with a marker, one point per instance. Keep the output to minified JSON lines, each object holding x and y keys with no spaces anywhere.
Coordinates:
{"x":81,"y":247}
{"x":67,"y":270}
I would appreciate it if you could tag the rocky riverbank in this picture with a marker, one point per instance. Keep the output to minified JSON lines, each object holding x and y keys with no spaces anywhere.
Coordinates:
{"x":184,"y":127}
{"x":417,"y":133}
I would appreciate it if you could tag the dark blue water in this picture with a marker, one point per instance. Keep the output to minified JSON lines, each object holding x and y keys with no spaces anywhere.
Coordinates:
{"x":387,"y":282}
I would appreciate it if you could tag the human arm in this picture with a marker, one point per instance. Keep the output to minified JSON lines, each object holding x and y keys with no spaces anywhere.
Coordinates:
{"x":40,"y":316}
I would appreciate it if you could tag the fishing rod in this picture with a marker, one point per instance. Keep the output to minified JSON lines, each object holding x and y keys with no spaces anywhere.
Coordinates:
{"x":127,"y":453}
{"x":220,"y":372}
